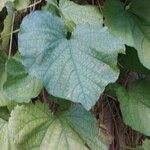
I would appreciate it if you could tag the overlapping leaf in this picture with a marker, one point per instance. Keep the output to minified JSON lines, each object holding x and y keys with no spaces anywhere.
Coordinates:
{"x":132,"y":23}
{"x":3,"y":99}
{"x":135,"y":106}
{"x":76,"y":68}
{"x":20,"y":86}
{"x":80,"y":14}
{"x":34,"y":126}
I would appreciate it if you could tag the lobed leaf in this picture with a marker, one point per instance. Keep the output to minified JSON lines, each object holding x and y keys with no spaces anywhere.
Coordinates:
{"x":35,"y":127}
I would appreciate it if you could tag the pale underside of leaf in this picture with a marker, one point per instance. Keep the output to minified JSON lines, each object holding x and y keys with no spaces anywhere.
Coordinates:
{"x":76,"y":69}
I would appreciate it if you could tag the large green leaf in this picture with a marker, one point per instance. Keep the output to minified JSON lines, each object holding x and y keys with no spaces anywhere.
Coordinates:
{"x":35,"y":127}
{"x":132,"y":23}
{"x":5,"y":34}
{"x":74,"y":14}
{"x":76,"y":68}
{"x":135,"y":106}
{"x":20,"y":86}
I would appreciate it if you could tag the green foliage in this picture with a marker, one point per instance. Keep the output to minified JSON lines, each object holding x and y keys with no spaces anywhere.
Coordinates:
{"x":18,"y":81}
{"x":41,"y":129}
{"x":132,"y":24}
{"x":135,"y":105}
{"x":69,"y":54}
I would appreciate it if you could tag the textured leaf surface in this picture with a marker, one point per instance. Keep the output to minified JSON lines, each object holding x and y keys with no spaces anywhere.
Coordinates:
{"x":135,"y":106}
{"x":78,"y":68}
{"x":20,"y":86}
{"x":35,"y":127}
{"x":80,"y":14}
{"x":132,"y":24}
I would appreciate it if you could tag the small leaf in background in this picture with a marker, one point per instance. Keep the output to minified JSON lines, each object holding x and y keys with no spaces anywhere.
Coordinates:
{"x":75,"y":66}
{"x":3,"y":2}
{"x":52,"y":6}
{"x":5,"y":34}
{"x":20,"y":86}
{"x":145,"y":146}
{"x":71,"y":13}
{"x":4,"y":101}
{"x":135,"y":106}
{"x":132,"y":24}
{"x":80,"y":14}
{"x":34,"y":126}
{"x":21,"y":4}
{"x":131,"y":62}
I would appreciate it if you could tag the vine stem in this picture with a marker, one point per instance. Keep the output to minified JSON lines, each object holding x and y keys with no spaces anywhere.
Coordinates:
{"x":14,"y":31}
{"x":11,"y":34}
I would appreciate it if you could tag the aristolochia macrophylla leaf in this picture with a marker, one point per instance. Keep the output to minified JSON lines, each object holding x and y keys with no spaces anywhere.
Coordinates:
{"x":75,"y":66}
{"x":35,"y":127}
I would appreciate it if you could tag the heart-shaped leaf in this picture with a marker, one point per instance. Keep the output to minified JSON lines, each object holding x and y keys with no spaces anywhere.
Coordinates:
{"x":75,"y":66}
